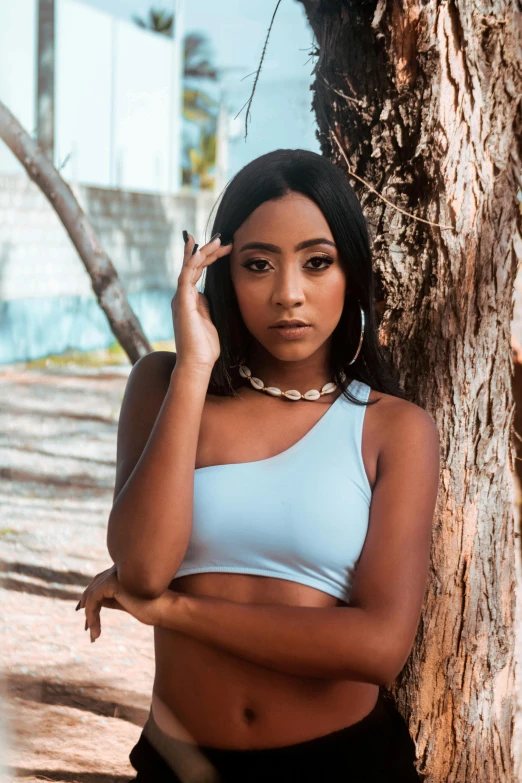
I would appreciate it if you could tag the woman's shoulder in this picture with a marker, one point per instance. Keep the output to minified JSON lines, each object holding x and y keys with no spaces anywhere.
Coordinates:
{"x":391,"y":417}
{"x":149,"y":381}
{"x":392,"y":403}
{"x":157,"y":361}
{"x":395,"y":417}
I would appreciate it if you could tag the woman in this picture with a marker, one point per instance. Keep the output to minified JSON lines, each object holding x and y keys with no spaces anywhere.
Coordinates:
{"x":299,"y":538}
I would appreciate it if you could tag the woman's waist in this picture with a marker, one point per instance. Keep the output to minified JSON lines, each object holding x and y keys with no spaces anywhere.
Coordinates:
{"x":221,"y":700}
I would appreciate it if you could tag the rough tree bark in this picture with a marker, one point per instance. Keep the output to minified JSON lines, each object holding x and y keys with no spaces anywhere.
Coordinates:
{"x":424,"y":100}
{"x":104,"y":278}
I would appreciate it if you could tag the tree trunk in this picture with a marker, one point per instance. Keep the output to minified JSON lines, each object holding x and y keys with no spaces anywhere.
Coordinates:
{"x":424,"y":100}
{"x":105,"y":281}
{"x":45,"y":102}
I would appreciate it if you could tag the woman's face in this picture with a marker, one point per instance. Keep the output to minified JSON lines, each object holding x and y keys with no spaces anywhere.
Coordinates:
{"x":276,"y":278}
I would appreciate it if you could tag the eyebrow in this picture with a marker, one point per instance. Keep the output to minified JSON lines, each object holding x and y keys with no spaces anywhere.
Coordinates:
{"x":276,"y":249}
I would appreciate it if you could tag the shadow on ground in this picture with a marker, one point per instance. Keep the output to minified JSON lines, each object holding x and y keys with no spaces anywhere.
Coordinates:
{"x":45,"y":575}
{"x":80,"y":695}
{"x":68,"y":777}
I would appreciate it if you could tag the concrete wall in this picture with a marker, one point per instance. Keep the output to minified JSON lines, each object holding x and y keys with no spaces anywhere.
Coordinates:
{"x":46,"y":300}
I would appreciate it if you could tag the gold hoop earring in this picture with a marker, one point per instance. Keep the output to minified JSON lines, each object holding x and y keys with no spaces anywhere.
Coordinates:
{"x":362,"y":334}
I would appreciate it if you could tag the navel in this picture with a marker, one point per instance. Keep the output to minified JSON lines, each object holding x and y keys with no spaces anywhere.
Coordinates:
{"x":249,"y":714}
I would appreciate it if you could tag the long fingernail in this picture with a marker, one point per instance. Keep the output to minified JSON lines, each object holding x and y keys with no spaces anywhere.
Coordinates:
{"x":78,"y":605}
{"x":185,"y":236}
{"x":194,"y":249}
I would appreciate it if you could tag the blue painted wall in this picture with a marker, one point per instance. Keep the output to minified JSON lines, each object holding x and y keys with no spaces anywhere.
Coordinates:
{"x":37,"y":327}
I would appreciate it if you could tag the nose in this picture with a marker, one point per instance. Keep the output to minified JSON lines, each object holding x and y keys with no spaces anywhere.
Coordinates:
{"x":288,"y":286}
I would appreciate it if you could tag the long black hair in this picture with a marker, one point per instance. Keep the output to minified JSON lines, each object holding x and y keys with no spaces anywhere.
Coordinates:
{"x":272,"y":176}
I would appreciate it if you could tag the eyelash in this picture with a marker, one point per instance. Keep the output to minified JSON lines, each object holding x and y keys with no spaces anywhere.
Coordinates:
{"x":326,"y":259}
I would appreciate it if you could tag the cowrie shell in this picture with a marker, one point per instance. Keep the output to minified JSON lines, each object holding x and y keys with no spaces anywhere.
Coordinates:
{"x":292,"y":394}
{"x":244,"y":371}
{"x":328,"y":387}
{"x":313,"y":394}
{"x":257,"y":383}
{"x":274,"y":391}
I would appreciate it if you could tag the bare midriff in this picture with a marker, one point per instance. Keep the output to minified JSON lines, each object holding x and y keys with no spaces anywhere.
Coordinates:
{"x":206,"y":696}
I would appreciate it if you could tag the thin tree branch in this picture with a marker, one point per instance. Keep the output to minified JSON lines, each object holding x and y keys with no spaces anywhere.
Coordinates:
{"x":257,"y":73}
{"x":408,"y":214}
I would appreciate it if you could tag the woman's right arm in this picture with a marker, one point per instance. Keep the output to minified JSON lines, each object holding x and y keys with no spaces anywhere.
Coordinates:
{"x":158,"y":431}
{"x":151,"y":518}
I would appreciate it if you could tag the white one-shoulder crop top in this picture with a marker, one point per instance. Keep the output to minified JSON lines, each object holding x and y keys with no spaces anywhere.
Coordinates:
{"x":301,"y":515}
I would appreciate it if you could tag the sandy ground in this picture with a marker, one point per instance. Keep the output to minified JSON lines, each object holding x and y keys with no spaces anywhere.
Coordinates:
{"x":72,"y":709}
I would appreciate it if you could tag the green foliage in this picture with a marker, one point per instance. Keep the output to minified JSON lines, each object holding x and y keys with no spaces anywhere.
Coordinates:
{"x":196,"y":106}
{"x":113,"y":354}
{"x":159,"y":21}
{"x":8,"y":531}
{"x":204,"y":158}
{"x":197,"y":57}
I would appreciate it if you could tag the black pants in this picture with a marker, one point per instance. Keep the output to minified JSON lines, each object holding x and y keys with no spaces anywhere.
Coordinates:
{"x":376,"y":749}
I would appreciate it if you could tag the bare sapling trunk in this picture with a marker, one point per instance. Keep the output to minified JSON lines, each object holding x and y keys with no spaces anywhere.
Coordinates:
{"x":105,"y":281}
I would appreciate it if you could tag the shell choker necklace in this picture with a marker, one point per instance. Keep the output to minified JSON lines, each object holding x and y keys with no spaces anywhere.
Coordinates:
{"x":291,"y":394}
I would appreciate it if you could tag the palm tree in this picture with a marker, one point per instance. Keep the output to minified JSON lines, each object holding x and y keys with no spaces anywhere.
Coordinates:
{"x":196,"y":57}
{"x":202,"y":159}
{"x":198,"y":106}
{"x":159,"y":21}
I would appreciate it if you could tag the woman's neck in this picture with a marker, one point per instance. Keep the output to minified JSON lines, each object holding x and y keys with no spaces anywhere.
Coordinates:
{"x":301,"y":374}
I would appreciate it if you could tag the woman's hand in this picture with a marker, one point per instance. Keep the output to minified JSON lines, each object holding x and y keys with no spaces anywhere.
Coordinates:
{"x":106,"y":591}
{"x":197,"y":341}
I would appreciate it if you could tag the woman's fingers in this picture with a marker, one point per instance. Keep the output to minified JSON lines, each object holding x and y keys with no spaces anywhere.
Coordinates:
{"x":95,"y":626}
{"x":92,"y":616}
{"x":100,"y":592}
{"x":205,"y":254}
{"x":193,"y":266}
{"x":93,"y":585}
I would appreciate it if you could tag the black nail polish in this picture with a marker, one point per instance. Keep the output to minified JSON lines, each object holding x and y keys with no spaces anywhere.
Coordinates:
{"x":214,"y":237}
{"x":185,"y":236}
{"x":194,"y":249}
{"x":78,"y":606}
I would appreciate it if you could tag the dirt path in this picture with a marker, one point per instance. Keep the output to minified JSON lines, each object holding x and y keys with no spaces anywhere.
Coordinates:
{"x":73,"y":709}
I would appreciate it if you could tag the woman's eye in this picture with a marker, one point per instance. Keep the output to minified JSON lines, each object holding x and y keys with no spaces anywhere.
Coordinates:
{"x":320,"y":259}
{"x":249,"y":265}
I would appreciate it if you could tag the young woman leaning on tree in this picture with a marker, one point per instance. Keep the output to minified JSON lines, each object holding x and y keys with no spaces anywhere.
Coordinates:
{"x":274,"y":499}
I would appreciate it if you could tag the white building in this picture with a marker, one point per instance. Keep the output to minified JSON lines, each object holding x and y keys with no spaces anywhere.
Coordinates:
{"x":118,"y":94}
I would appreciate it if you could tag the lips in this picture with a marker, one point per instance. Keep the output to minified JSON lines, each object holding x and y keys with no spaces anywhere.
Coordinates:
{"x":292,"y":332}
{"x":289,"y":325}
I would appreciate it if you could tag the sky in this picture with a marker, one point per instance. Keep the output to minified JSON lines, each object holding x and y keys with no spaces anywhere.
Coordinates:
{"x":237,"y":30}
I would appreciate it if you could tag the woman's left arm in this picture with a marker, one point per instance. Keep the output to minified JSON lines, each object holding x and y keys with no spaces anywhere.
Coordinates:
{"x":369,"y":640}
